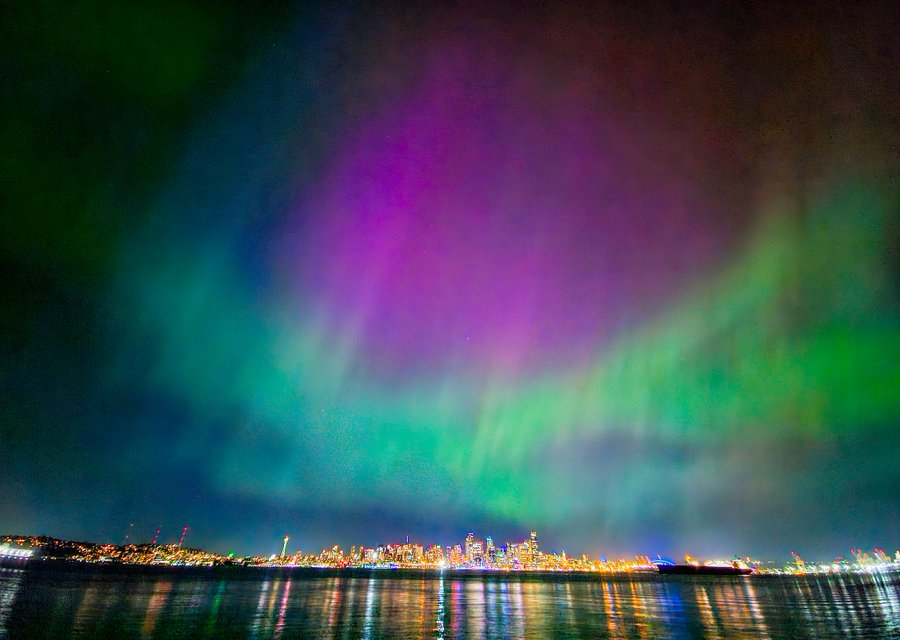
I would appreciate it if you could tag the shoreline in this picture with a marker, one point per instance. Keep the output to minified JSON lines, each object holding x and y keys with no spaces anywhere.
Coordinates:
{"x":255,"y":572}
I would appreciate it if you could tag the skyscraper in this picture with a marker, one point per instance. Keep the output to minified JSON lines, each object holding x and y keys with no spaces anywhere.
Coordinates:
{"x":490,"y":552}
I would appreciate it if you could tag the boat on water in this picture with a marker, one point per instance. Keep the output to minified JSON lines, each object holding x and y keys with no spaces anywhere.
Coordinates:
{"x":690,"y":568}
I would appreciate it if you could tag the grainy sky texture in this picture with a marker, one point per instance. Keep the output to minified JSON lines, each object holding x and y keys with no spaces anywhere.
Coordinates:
{"x":626,"y":276}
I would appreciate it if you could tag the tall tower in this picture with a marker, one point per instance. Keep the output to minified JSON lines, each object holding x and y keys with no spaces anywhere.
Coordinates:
{"x":284,"y":546}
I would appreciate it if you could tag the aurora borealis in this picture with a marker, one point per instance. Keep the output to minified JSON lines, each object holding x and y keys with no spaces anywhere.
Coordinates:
{"x":626,"y":277}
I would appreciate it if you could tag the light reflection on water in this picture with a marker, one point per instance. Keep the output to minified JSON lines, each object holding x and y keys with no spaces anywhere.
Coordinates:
{"x":280,"y":604}
{"x":155,"y":604}
{"x":9,"y":585}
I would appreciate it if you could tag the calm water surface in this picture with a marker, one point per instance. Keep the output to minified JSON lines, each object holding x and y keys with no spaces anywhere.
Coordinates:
{"x":44,"y":603}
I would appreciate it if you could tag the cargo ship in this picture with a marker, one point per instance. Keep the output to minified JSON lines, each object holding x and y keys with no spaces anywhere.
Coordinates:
{"x":736,"y":568}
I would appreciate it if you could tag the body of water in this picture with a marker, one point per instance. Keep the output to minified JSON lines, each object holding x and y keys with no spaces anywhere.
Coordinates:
{"x":249,"y":603}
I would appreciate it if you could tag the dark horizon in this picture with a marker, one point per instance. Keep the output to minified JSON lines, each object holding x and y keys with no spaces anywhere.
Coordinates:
{"x":624,"y":276}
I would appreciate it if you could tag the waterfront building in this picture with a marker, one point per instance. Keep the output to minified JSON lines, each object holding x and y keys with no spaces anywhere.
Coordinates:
{"x":434,"y":555}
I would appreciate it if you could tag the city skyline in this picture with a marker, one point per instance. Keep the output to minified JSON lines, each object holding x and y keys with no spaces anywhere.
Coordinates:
{"x":471,"y":553}
{"x":623,"y":275}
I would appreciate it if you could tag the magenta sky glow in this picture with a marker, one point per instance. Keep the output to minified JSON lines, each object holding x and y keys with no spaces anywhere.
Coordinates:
{"x":495,"y":215}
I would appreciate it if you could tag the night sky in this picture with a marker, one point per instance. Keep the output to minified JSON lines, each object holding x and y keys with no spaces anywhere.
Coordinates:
{"x":627,"y":277}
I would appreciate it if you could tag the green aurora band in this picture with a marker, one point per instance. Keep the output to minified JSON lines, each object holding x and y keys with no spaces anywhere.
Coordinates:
{"x":724,"y":367}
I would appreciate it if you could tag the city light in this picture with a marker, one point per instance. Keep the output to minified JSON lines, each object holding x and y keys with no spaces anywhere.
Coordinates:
{"x":472,"y":554}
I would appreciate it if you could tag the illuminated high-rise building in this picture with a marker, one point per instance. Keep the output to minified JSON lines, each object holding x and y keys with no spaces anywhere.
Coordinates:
{"x":470,"y":544}
{"x":477,"y":553}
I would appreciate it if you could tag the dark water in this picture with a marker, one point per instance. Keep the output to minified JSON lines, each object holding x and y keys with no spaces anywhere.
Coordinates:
{"x":54,"y":603}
